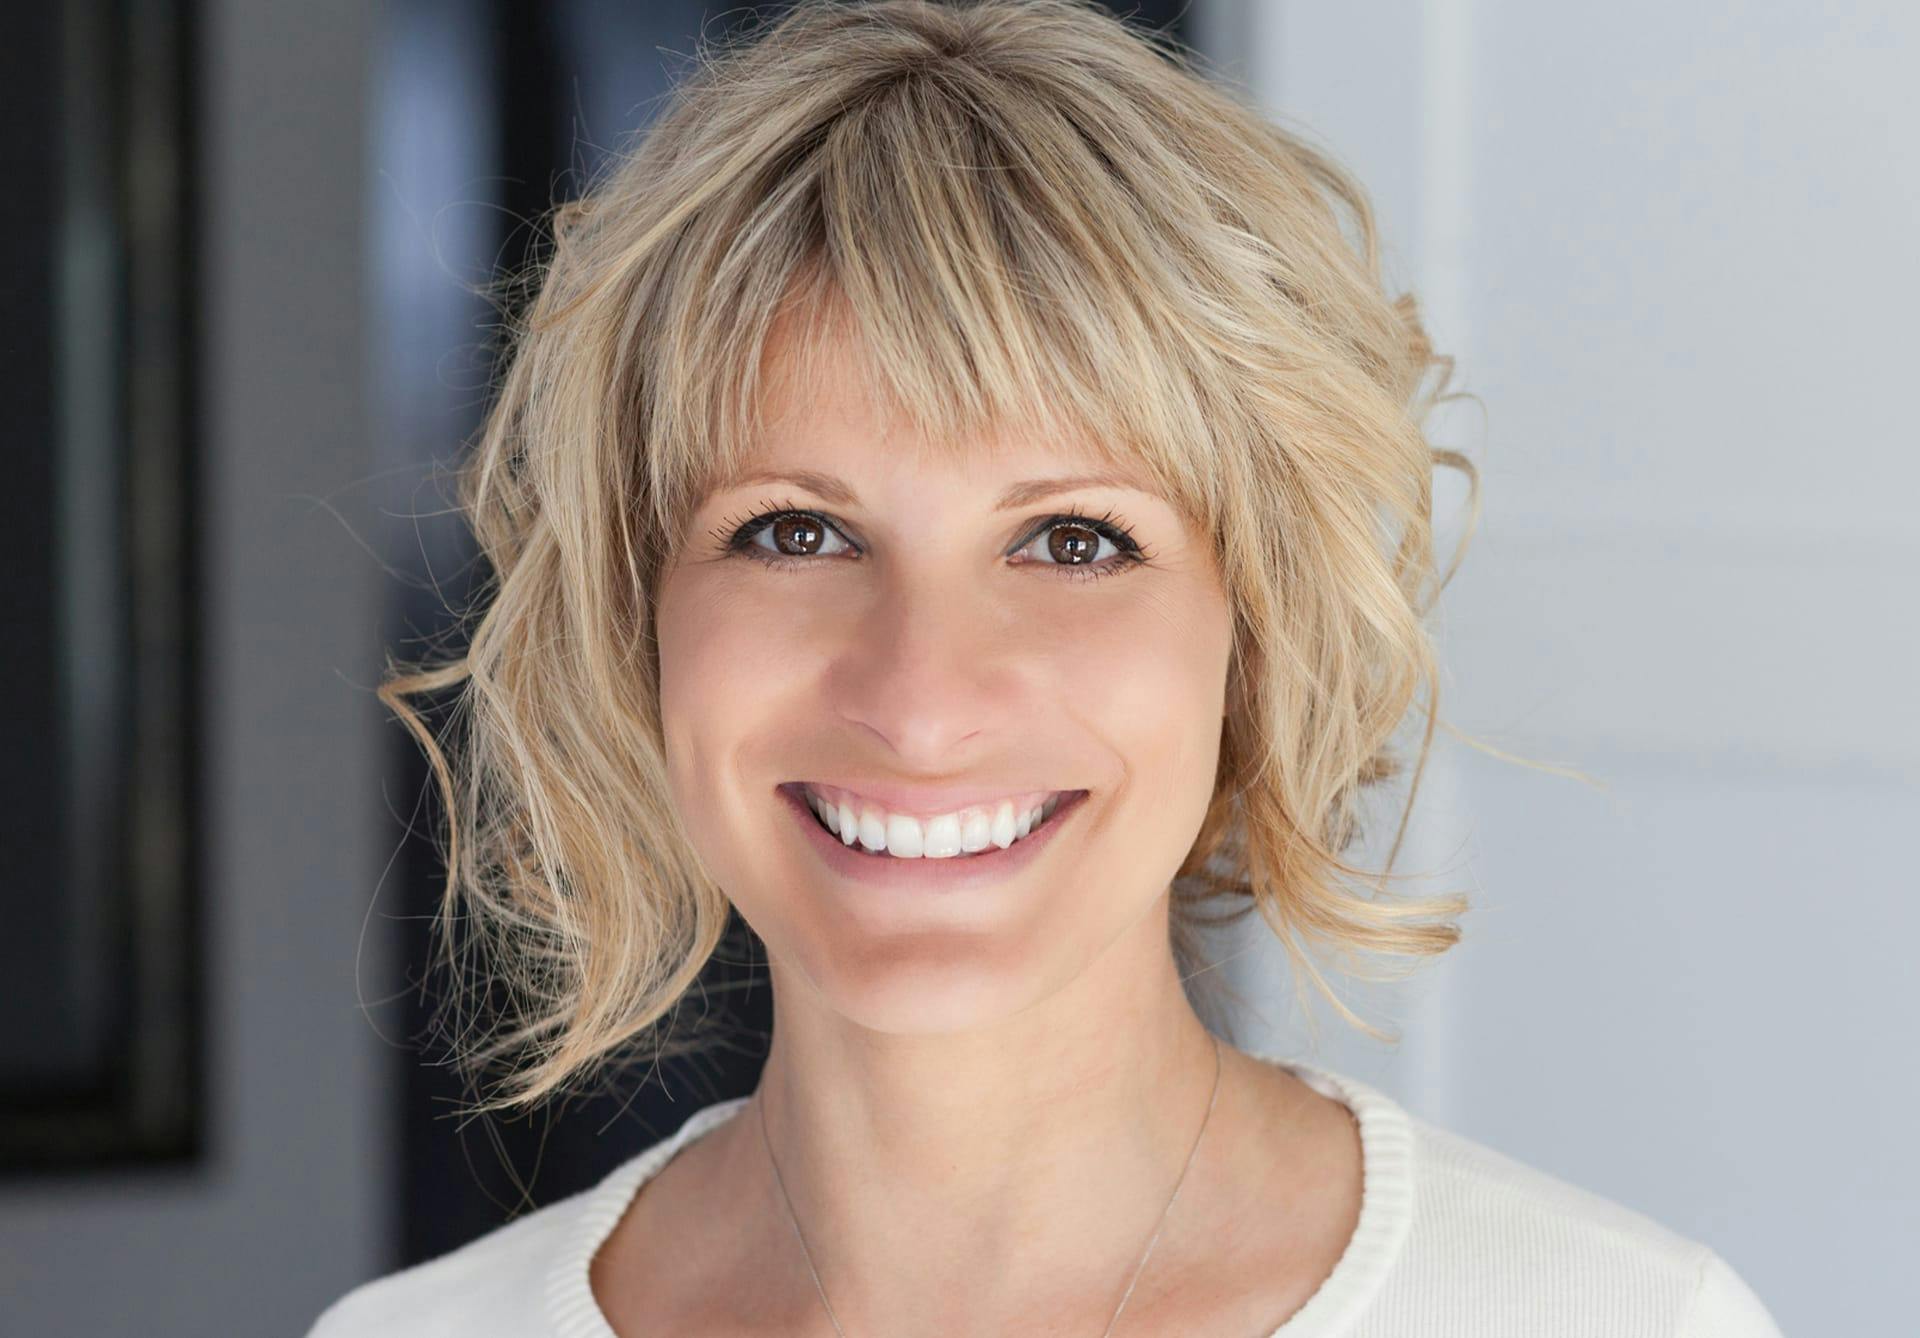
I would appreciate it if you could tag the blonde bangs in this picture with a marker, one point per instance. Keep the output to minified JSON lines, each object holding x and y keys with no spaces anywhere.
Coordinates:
{"x":983,"y":268}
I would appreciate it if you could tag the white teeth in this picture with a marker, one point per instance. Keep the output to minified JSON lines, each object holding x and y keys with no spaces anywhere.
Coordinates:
{"x":944,"y":837}
{"x":1004,"y":831}
{"x":977,"y":830}
{"x":904,"y":837}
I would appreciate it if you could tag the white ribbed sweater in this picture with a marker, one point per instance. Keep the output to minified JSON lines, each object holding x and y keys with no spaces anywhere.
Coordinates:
{"x":1454,"y":1240}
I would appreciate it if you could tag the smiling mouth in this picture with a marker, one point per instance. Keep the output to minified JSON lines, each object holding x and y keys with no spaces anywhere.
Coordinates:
{"x":966,"y":834}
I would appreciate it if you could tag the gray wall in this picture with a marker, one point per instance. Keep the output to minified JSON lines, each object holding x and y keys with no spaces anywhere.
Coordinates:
{"x":291,"y":1208}
{"x":1672,"y":246}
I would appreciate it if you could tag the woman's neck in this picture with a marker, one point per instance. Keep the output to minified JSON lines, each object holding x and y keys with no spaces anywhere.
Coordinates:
{"x":1014,"y":1169}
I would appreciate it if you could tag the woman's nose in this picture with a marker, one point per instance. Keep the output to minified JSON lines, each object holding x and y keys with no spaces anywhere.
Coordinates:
{"x":926,"y":670}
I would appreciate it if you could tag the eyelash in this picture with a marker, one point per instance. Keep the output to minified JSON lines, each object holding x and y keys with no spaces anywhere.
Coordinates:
{"x":736,"y":537}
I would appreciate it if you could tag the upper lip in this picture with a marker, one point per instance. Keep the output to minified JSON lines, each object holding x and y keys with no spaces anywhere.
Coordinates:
{"x":929,"y":800}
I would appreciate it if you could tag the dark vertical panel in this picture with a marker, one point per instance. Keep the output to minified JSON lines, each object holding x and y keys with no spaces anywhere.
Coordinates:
{"x":39,"y":924}
{"x":100,"y":1021}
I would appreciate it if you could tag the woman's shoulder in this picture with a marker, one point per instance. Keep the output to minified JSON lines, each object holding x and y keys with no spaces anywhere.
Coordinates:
{"x":521,"y":1278}
{"x":491,"y":1285}
{"x":494,"y":1284}
{"x":1463,"y":1178}
{"x":1456,"y":1236}
{"x":1516,"y":1230}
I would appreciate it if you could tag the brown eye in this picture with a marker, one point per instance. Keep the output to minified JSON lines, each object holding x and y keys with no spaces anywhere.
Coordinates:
{"x":782,"y":536}
{"x":1072,"y":542}
{"x":798,"y":536}
{"x":1081,"y":548}
{"x":1072,"y":545}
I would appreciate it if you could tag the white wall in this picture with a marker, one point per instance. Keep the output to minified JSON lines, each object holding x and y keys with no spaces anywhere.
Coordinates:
{"x":1674,"y":249}
{"x":291,"y":1208}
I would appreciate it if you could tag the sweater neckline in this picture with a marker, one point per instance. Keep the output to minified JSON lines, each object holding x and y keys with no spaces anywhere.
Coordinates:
{"x":1386,"y":1211}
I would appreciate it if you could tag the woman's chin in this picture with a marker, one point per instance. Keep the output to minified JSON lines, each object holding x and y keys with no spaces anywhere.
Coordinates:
{"x":907,"y":988}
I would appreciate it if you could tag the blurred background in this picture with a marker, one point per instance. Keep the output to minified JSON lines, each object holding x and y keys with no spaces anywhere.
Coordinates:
{"x":1672,"y":248}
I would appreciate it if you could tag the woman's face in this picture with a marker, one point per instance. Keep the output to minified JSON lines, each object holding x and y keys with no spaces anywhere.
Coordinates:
{"x":923,"y":651}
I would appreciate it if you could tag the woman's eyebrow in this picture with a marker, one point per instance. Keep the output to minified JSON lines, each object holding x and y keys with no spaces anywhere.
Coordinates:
{"x":1018,"y":494}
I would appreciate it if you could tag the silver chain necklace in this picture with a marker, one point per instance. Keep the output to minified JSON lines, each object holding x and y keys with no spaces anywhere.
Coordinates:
{"x":760,"y":1101}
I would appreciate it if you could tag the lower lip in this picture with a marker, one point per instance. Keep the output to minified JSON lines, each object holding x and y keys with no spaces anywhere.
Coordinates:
{"x":953,"y":874}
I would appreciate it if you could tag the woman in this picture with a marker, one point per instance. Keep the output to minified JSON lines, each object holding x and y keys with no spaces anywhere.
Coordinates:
{"x":960,"y":498}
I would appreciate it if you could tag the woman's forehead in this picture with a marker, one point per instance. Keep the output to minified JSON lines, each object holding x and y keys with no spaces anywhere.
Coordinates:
{"x":821,"y":409}
{"x":825,"y":410}
{"x":1004,"y":481}
{"x":875,"y":447}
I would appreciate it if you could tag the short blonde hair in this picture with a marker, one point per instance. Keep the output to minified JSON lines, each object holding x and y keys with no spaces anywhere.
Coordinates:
{"x":1023,"y":210}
